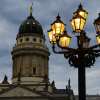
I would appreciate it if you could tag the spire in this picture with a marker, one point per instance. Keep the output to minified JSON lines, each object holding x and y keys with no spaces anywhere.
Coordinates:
{"x":5,"y":80}
{"x":69,"y":86}
{"x":31,"y":9}
{"x":53,"y":86}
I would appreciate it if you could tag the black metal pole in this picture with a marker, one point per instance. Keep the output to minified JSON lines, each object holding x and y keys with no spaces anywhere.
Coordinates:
{"x":81,"y":83}
{"x":81,"y":69}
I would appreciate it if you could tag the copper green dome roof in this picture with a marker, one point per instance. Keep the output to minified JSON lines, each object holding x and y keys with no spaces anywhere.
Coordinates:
{"x":30,"y":27}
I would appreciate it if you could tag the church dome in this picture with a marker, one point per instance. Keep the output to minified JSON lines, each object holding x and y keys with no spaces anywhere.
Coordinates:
{"x":30,"y":27}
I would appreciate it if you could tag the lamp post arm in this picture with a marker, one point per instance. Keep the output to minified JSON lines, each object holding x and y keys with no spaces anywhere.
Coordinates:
{"x":60,"y":52}
{"x":97,"y":54}
{"x":65,"y":50}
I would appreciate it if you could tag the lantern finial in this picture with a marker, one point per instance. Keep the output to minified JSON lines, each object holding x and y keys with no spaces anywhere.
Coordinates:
{"x":80,"y":6}
{"x":58,"y":16}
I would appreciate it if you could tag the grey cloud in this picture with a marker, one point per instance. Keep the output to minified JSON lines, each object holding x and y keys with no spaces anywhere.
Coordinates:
{"x":13,"y":12}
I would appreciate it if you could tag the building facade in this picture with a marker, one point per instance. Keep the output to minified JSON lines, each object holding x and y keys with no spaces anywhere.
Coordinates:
{"x":30,"y":57}
{"x":90,"y":97}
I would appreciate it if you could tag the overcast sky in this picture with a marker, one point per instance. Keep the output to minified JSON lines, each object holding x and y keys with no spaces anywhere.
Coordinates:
{"x":13,"y":12}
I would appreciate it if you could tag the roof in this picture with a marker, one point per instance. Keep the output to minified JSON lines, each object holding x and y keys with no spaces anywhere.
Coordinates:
{"x":30,"y":27}
{"x":20,"y":91}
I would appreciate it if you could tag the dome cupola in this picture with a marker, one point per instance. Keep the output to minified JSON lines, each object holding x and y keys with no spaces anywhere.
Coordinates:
{"x":30,"y":27}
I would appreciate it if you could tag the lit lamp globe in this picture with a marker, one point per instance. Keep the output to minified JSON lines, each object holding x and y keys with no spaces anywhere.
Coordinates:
{"x":77,"y":23}
{"x":51,"y":36}
{"x":97,"y":25}
{"x":58,"y":26}
{"x":79,"y":19}
{"x":98,"y":39}
{"x":64,"y":40}
{"x":97,"y":28}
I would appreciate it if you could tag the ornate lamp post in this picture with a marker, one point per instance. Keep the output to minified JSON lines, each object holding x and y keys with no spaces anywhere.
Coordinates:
{"x":83,"y":55}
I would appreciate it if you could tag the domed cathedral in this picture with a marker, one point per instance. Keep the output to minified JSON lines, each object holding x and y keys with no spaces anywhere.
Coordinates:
{"x":30,"y":54}
{"x":30,"y":70}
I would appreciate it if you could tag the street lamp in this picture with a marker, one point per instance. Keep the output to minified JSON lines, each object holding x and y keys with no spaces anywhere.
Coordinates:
{"x":84,"y":55}
{"x":58,"y":26}
{"x":79,"y":19}
{"x":97,"y":28}
{"x":64,"y":40}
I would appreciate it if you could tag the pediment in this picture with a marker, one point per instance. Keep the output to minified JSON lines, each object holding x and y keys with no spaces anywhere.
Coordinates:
{"x":19,"y":92}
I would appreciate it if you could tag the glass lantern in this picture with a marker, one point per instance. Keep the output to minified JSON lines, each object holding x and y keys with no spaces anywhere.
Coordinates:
{"x":98,"y":39}
{"x":64,"y":40}
{"x":79,"y":19}
{"x":52,"y":37}
{"x":78,"y":23}
{"x":58,"y":26}
{"x":97,"y":24}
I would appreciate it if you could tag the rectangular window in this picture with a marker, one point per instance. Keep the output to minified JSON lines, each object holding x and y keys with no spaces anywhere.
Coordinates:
{"x":34,"y":71}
